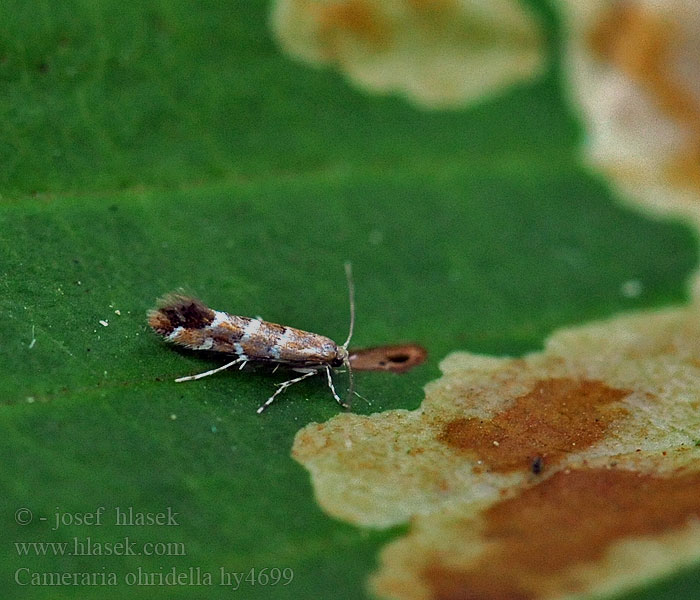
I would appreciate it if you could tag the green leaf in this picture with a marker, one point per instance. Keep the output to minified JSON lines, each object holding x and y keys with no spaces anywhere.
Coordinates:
{"x":150,"y":146}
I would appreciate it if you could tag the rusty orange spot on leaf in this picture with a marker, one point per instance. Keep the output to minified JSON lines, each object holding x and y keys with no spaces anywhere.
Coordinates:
{"x":356,"y":17}
{"x":640,"y":44}
{"x":558,"y":416}
{"x":398,"y":358}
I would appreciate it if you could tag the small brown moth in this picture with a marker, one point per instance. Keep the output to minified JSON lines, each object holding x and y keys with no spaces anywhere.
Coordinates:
{"x":188,"y":322}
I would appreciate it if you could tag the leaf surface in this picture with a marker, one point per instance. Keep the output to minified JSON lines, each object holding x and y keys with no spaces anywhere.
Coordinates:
{"x":152,"y":146}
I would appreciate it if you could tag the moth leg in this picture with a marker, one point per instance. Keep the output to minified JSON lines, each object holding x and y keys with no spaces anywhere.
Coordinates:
{"x":212,"y":371}
{"x":283,"y":386}
{"x":330,"y":385}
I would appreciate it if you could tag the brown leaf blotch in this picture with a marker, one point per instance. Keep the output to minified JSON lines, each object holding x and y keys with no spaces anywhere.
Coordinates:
{"x":557,"y":416}
{"x":569,"y":519}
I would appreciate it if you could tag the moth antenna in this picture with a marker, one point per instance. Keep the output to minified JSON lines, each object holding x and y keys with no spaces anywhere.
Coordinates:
{"x":351,"y":295}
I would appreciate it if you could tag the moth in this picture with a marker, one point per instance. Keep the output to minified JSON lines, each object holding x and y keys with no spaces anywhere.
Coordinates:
{"x":188,"y":322}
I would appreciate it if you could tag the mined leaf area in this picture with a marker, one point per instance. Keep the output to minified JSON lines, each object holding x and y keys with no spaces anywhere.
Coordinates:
{"x":153,"y":146}
{"x":567,"y":473}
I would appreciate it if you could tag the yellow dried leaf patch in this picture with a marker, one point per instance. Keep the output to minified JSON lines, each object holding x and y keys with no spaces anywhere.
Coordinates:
{"x":499,"y":465}
{"x":438,"y":53}
{"x":634,"y":69}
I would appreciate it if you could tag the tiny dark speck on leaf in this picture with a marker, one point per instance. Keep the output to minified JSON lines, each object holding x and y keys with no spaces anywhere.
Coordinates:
{"x":43,"y":67}
{"x":537,"y":465}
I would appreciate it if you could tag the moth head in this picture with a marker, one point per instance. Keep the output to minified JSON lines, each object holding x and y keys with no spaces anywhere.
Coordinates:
{"x":341,"y":357}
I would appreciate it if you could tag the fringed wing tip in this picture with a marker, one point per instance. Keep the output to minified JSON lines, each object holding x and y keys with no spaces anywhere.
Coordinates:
{"x":176,"y":309}
{"x":175,"y":298}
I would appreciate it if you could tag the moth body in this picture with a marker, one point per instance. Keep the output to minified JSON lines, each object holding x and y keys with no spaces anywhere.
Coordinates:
{"x":188,"y":322}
